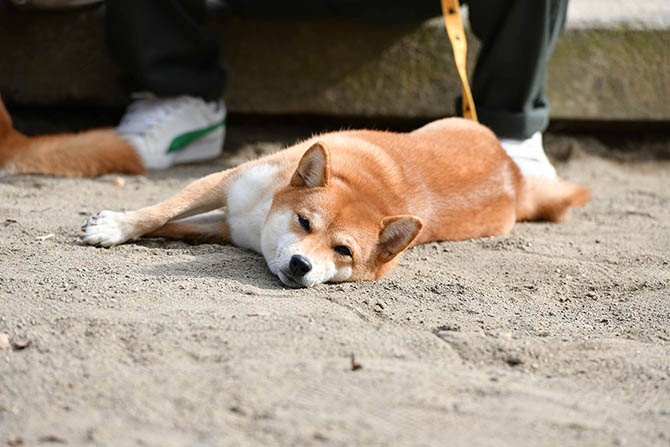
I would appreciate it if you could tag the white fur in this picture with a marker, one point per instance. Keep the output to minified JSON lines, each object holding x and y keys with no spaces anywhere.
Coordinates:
{"x":276,"y":236}
{"x":248,"y":202}
{"x":342,"y":274}
{"x":108,"y":228}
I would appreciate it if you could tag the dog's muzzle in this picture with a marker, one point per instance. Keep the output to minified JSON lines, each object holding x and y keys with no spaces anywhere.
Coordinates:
{"x":298,"y":267}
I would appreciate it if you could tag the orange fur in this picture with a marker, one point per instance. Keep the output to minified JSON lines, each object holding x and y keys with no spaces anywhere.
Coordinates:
{"x":549,"y":200}
{"x":208,"y":228}
{"x":85,"y":154}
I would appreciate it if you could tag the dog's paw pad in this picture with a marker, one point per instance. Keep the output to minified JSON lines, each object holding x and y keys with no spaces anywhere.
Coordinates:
{"x":106,"y":229}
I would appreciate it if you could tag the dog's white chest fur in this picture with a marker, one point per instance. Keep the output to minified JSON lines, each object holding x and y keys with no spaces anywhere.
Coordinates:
{"x":248,"y":202}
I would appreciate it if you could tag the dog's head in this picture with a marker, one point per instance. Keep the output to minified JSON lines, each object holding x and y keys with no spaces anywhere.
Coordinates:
{"x":321,"y":229}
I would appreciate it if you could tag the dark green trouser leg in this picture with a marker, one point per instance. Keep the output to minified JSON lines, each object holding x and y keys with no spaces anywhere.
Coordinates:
{"x":163,"y":47}
{"x":518,"y":37}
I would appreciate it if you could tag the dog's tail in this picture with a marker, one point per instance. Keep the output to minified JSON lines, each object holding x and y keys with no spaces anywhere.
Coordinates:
{"x":85,"y":154}
{"x":549,"y":200}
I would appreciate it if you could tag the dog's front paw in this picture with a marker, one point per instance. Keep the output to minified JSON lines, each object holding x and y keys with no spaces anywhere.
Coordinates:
{"x":107,"y":229}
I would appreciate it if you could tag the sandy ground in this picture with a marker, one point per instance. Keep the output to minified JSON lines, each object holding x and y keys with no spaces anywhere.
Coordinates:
{"x":554,"y":335}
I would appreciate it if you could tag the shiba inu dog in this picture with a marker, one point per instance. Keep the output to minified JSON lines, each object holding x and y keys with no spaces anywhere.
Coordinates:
{"x":343,"y":206}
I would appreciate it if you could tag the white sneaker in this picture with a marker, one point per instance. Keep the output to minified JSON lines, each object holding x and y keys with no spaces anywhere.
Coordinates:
{"x":167,"y":131}
{"x":529,"y":156}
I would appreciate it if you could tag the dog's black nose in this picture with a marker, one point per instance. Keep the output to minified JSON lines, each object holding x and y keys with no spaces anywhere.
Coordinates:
{"x":299,"y":266}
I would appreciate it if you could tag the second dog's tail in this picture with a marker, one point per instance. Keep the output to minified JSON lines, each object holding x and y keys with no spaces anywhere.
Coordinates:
{"x":549,"y":200}
{"x":85,"y":154}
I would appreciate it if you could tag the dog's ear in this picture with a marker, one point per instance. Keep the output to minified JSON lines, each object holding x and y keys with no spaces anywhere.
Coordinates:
{"x":396,"y":235}
{"x":314,"y":167}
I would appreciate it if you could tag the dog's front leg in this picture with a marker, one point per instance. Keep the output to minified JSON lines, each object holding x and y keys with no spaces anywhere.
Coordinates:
{"x":111,"y":228}
{"x":210,"y":228}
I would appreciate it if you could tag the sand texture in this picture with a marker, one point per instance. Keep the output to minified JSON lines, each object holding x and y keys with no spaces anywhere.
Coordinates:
{"x":558,"y":334}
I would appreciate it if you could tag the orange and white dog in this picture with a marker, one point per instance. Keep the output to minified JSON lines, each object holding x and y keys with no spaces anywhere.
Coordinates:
{"x":342,"y":206}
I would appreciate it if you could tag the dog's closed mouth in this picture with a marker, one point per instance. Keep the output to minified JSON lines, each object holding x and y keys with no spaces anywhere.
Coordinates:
{"x":289,"y":281}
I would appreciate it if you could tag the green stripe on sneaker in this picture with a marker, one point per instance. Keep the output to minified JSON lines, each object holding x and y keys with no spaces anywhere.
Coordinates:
{"x":183,"y":140}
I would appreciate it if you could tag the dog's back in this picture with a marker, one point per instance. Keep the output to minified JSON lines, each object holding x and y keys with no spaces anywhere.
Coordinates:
{"x":454,"y":174}
{"x":537,"y":198}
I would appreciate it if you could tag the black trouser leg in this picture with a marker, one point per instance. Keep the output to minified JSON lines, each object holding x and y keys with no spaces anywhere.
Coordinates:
{"x":518,"y":37}
{"x":163,"y":48}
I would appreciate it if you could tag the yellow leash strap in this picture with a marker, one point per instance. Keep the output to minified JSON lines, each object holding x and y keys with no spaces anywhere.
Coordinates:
{"x":454,"y":25}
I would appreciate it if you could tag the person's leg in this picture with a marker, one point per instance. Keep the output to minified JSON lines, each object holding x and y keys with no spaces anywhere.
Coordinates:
{"x":168,"y":55}
{"x":163,"y":48}
{"x":518,"y":37}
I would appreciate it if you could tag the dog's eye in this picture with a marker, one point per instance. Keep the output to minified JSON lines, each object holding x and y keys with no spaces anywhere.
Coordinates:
{"x":342,"y":250}
{"x":304,"y":223}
